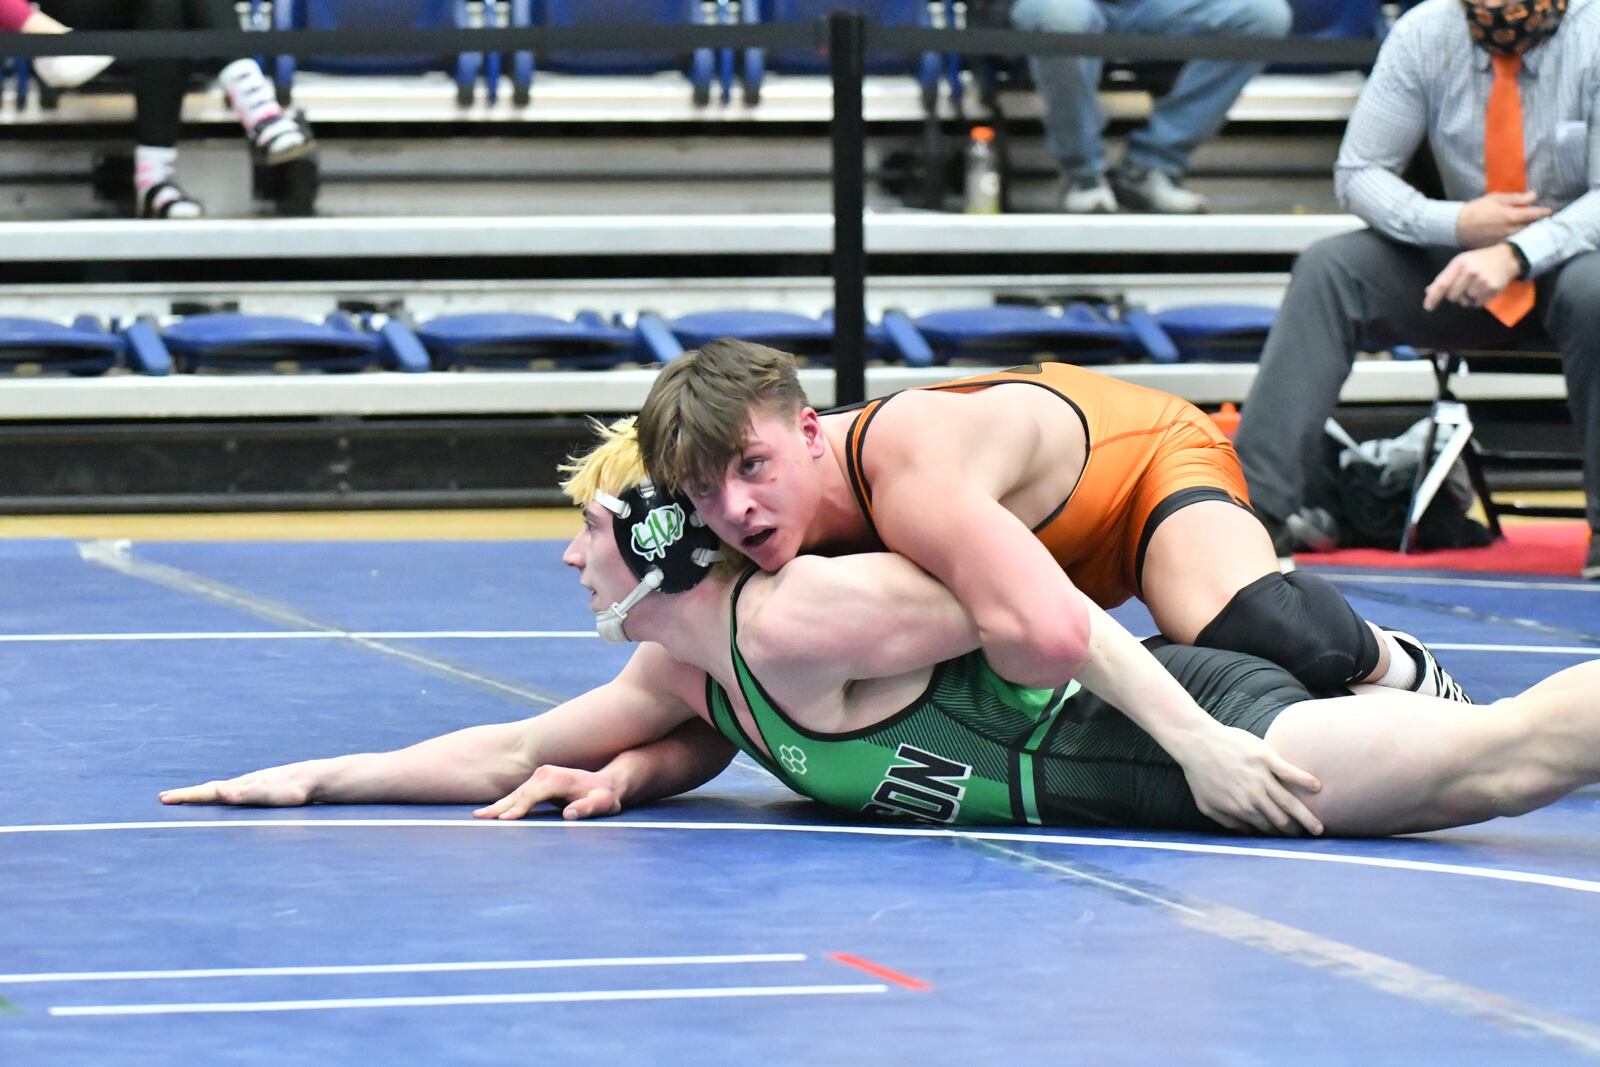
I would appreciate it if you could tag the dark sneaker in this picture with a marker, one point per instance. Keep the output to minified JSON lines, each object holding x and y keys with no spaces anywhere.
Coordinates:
{"x":1282,"y":538}
{"x":167,"y":200}
{"x":1313,"y":530}
{"x":282,"y":139}
{"x":1432,"y":679}
{"x":1142,"y":189}
{"x":1591,"y":564}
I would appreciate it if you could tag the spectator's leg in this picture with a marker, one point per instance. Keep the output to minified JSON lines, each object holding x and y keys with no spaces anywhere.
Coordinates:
{"x":158,"y":84}
{"x":157,"y":94}
{"x":1198,"y":104}
{"x":275,"y":136}
{"x":1568,"y":301}
{"x":210,"y":14}
{"x":1351,"y":293}
{"x":1068,"y":86}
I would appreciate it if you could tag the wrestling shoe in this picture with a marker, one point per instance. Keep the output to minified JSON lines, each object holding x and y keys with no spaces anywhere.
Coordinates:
{"x":1591,"y":563}
{"x":1432,"y":679}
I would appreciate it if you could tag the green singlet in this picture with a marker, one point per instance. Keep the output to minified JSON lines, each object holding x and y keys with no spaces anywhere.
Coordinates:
{"x":977,"y":749}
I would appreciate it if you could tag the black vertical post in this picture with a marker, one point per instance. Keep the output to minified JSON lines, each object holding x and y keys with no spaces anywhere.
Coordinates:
{"x":847,"y":64}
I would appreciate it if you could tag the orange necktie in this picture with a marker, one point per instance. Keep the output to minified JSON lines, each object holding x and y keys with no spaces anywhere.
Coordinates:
{"x":1505,"y":170}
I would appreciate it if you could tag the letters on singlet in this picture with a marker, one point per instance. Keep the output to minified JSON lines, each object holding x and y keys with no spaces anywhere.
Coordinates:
{"x":924,"y":786}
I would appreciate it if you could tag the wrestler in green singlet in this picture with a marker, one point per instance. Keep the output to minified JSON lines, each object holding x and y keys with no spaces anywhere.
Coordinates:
{"x":974,"y":748}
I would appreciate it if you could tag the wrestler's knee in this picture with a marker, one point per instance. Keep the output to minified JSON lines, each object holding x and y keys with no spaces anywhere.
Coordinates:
{"x":1301,"y":622}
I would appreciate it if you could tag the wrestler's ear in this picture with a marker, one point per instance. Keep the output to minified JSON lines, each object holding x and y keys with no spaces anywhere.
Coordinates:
{"x":810,"y":427}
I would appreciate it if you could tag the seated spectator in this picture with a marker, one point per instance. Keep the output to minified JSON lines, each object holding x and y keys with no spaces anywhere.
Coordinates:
{"x":1150,"y":174}
{"x":158,"y":87}
{"x":1505,"y":95}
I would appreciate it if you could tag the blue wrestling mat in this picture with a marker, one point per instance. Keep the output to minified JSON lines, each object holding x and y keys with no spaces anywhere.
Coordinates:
{"x":738,"y":924}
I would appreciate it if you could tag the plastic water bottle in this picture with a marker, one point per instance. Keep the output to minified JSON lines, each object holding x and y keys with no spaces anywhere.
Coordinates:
{"x":983,"y":173}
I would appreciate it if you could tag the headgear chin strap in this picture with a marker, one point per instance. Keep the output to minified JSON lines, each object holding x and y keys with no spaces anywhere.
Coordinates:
{"x":665,"y":543}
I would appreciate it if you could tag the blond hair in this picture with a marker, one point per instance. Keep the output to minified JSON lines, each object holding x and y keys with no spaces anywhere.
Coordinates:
{"x":613,"y":466}
{"x":697,"y":416}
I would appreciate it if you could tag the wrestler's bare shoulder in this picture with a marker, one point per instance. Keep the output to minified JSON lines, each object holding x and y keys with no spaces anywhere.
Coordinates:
{"x":994,"y":416}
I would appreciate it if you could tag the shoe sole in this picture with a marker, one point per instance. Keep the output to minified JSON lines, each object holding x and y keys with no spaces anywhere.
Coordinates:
{"x":289,"y":155}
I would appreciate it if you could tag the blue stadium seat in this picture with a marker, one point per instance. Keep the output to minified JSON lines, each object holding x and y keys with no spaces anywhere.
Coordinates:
{"x":83,"y":348}
{"x":702,"y":67}
{"x":1078,"y":333}
{"x":809,"y":338}
{"x":230,"y":341}
{"x":516,"y":340}
{"x":1332,"y":20}
{"x":1218,"y":333}
{"x":927,"y":68}
{"x":376,"y":14}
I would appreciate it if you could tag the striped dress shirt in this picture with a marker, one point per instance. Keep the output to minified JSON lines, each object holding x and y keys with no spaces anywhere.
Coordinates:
{"x":1431,"y":80}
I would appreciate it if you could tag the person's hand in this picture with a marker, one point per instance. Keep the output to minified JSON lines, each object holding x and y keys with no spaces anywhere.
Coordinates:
{"x":1474,"y":278}
{"x":580,"y":794}
{"x":276,"y":787}
{"x":1241,"y":782}
{"x":1493,"y":217}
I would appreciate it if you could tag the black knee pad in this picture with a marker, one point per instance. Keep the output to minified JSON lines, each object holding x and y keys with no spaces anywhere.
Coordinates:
{"x":1300,"y":622}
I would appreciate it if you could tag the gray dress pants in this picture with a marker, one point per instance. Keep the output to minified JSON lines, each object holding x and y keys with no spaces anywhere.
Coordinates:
{"x":1362,"y":292}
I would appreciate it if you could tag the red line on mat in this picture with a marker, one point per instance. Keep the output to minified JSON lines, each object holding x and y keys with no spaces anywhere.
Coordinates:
{"x":878,"y":971}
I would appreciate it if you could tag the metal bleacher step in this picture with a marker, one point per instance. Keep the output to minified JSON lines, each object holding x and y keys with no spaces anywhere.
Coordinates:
{"x":136,"y":398}
{"x":909,"y":232}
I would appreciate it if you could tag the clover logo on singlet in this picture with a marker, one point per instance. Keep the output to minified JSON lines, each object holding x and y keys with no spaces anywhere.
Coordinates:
{"x":659,"y":531}
{"x":793,"y":758}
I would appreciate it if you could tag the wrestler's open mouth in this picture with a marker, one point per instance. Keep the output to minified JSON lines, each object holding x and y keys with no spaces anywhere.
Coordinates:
{"x":756,"y":540}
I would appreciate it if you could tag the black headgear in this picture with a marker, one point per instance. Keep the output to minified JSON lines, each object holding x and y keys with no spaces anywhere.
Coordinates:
{"x":665,"y":543}
{"x":655,"y":529}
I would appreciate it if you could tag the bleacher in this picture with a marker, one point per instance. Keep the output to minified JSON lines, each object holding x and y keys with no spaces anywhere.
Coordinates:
{"x":617,"y":199}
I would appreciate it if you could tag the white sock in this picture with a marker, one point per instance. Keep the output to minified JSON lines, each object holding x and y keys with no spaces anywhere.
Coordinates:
{"x":152,"y":166}
{"x":1402,"y":672}
{"x":250,"y":94}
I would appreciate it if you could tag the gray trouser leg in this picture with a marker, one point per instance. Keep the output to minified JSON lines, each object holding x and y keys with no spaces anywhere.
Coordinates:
{"x":1568,"y":301}
{"x":1351,"y":293}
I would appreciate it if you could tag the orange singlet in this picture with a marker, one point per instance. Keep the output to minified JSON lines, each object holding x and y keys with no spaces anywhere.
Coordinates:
{"x":1144,"y":446}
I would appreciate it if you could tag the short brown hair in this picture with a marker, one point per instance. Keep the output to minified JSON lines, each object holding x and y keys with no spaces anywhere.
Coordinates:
{"x":697,"y":416}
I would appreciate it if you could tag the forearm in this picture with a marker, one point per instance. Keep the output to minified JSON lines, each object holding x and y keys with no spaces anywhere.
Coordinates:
{"x":471,"y":766}
{"x":685,"y":759}
{"x":1120,"y":670}
{"x":1393,"y":207}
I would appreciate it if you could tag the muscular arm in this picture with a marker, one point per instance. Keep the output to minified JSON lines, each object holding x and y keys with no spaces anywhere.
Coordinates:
{"x":480,"y":763}
{"x":932,"y":506}
{"x":842,"y":618}
{"x":1388,"y":123}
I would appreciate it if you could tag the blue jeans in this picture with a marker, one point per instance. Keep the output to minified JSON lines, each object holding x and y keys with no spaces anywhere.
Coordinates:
{"x":1194,"y":110}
